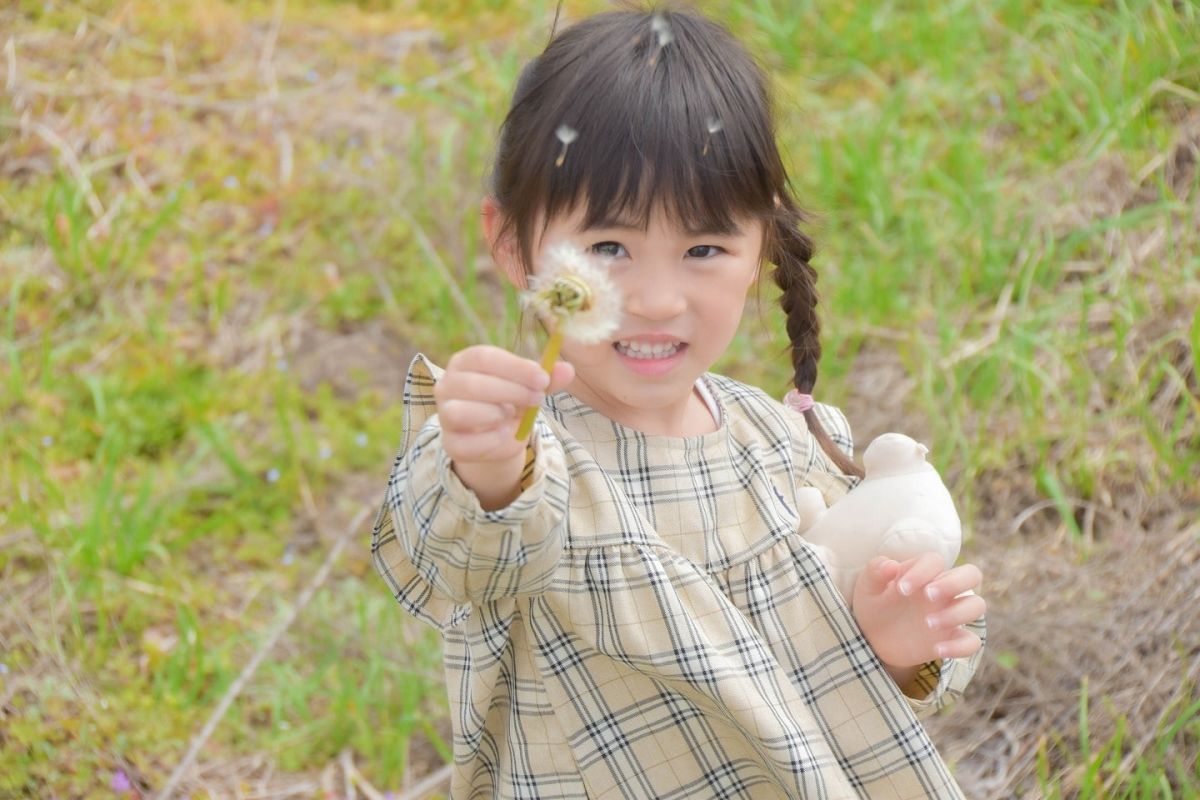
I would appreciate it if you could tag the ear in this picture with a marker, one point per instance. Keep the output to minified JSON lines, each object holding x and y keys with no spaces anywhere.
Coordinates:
{"x":504,"y":249}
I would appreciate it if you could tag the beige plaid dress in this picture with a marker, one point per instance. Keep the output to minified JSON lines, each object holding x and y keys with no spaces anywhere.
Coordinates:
{"x":643,"y":621}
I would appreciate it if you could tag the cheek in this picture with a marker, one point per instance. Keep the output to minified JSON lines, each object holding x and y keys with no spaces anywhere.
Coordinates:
{"x":584,"y":354}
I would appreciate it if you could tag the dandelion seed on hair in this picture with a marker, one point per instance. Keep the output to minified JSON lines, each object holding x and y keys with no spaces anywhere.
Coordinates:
{"x":565,"y":134}
{"x":662,"y":34}
{"x":714,"y":125}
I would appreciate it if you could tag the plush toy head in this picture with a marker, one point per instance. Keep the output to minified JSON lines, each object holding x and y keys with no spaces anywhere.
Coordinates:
{"x":901,"y":509}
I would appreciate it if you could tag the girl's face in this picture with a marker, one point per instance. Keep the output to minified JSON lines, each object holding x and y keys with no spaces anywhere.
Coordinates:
{"x":683,"y":293}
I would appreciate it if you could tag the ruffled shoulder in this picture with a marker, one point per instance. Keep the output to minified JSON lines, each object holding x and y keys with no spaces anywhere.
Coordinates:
{"x":770,"y":418}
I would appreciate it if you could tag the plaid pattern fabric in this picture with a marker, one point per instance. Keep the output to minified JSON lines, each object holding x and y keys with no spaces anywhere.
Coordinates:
{"x":643,"y":620}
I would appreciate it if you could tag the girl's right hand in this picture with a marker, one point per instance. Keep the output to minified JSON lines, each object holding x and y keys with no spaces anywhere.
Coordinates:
{"x":480,"y":400}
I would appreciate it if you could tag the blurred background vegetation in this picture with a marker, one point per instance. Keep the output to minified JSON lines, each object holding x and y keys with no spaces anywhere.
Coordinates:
{"x":225,"y":227}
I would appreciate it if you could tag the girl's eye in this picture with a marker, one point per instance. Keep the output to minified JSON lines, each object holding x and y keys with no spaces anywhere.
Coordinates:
{"x":699,"y":251}
{"x":608,"y":249}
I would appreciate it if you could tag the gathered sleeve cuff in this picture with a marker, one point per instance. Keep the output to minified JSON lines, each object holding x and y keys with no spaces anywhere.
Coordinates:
{"x":436,"y":547}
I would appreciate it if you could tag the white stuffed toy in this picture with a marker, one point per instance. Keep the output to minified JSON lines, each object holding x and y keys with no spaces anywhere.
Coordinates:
{"x":901,"y":509}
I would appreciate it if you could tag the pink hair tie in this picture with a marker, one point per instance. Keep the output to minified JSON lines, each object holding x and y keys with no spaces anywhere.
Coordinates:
{"x":798,"y":402}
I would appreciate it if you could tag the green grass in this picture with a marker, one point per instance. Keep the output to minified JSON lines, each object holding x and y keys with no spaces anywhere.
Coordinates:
{"x":168,"y":428}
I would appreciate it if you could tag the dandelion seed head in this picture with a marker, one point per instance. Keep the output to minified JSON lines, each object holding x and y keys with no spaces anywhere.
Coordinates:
{"x":572,"y":287}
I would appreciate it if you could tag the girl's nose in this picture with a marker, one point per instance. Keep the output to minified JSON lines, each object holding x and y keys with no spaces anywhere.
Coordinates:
{"x":655,"y":295}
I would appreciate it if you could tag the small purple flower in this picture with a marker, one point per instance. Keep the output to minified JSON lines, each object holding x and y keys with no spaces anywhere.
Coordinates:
{"x":231,"y":182}
{"x":361,"y":440}
{"x":272,"y":475}
{"x":120,"y":782}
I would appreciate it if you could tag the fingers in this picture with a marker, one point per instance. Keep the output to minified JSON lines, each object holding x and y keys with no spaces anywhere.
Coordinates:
{"x":481,"y":397}
{"x":964,"y":578}
{"x":962,"y":644}
{"x":498,"y":444}
{"x":498,"y":362}
{"x":916,"y":573}
{"x":479,"y":387}
{"x":469,"y":416}
{"x":561,"y":376}
{"x":877,"y":574}
{"x":960,"y":612}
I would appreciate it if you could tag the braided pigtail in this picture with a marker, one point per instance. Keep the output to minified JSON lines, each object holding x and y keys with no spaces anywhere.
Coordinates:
{"x":791,"y":250}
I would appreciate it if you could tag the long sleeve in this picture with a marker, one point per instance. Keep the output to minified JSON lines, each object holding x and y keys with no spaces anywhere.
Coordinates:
{"x":438,"y":550}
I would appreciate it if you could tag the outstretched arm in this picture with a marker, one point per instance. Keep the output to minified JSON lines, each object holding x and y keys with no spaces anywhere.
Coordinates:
{"x":912,"y":612}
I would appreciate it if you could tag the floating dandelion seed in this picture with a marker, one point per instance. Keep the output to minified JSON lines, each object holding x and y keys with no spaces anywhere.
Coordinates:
{"x":565,"y":134}
{"x":580,"y":301}
{"x":713,"y":125}
{"x":662,"y":33}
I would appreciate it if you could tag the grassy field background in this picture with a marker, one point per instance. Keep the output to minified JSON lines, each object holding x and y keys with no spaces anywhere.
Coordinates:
{"x":226,"y":226}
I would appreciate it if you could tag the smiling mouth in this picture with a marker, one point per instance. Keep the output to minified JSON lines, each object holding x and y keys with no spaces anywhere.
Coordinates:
{"x":648,"y":352}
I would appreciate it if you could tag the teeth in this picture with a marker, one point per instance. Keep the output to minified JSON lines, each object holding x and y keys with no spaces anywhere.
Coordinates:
{"x":647,"y":350}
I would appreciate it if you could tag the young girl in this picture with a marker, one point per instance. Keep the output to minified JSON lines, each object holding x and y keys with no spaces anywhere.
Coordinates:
{"x":627,"y":609}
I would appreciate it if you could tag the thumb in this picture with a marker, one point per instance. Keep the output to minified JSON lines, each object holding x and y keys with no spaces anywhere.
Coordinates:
{"x":560,"y":376}
{"x":877,"y":574}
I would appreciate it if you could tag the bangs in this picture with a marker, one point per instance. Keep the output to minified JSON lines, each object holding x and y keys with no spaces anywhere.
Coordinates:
{"x":679,"y":128}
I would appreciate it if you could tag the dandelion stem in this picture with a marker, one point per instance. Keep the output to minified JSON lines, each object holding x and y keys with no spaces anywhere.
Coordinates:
{"x":549,"y":356}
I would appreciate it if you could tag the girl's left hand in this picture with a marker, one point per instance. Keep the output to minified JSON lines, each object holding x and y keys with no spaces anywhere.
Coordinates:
{"x":911,"y":612}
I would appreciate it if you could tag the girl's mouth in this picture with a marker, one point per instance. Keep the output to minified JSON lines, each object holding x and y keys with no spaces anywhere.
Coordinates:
{"x":650,"y":359}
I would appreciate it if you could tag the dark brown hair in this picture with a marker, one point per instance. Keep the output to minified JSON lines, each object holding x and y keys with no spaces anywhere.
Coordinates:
{"x":681,"y":121}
